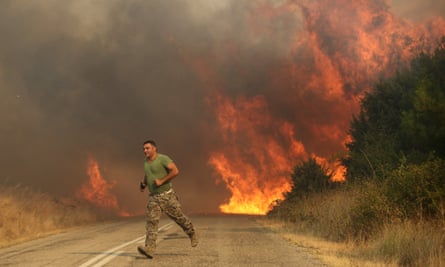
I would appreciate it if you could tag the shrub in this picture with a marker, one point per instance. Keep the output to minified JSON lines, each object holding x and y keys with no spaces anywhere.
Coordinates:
{"x":371,"y":212}
{"x":309,"y":177}
{"x":419,"y":190}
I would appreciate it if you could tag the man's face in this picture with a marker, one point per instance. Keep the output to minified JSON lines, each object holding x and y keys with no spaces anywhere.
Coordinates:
{"x":149,"y":150}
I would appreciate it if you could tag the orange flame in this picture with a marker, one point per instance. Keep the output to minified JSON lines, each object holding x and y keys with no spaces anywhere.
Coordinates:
{"x":256,"y":173}
{"x":337,"y":171}
{"x":97,"y":190}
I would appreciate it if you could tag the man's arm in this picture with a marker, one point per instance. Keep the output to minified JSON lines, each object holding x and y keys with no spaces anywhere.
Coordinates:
{"x":172,"y":173}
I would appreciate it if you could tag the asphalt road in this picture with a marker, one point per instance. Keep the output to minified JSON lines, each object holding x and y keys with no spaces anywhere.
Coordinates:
{"x":224,"y":241}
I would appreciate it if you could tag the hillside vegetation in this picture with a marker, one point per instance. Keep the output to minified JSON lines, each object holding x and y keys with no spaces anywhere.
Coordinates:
{"x":392,"y":205}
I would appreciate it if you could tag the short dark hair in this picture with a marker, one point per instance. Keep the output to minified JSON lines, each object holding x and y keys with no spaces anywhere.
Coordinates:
{"x":151,"y":142}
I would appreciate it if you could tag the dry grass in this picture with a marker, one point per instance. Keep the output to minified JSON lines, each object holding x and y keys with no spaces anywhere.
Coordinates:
{"x":335,"y":254}
{"x":26,"y":214}
{"x":410,"y":244}
{"x":323,"y":224}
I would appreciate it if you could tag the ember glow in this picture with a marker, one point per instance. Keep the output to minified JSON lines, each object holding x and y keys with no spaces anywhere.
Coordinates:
{"x":97,"y":190}
{"x":309,"y":97}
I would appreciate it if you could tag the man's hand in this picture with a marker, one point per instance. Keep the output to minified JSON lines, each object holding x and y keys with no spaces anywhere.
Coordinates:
{"x":142,"y":186}
{"x":159,"y":182}
{"x":172,"y":173}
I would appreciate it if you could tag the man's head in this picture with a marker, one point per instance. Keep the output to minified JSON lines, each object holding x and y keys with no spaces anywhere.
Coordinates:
{"x":150,"y":148}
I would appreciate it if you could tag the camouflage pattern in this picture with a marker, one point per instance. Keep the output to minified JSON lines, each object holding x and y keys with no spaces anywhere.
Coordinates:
{"x":169,"y":204}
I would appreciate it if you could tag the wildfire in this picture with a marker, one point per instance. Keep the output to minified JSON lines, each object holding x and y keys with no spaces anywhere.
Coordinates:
{"x":336,"y":170}
{"x":308,"y":98}
{"x":257,"y":170}
{"x":97,"y":190}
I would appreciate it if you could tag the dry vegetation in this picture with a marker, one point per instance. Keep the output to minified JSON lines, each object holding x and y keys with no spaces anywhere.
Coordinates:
{"x":335,"y":254}
{"x":26,"y":214}
{"x":326,"y":225}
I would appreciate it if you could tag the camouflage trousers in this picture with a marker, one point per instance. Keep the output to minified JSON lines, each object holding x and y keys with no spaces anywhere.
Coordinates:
{"x":169,"y":204}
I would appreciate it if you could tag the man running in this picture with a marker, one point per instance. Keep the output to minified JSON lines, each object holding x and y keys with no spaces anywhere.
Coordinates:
{"x":159,"y":171}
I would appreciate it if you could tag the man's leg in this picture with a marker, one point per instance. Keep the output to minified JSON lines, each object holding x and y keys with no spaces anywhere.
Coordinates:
{"x":171,"y":206}
{"x":151,"y":227}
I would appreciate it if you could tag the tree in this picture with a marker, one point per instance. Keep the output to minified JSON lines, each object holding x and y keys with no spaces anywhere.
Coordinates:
{"x":376,"y":137}
{"x":309,"y":177}
{"x":402,"y":117}
{"x":424,"y":124}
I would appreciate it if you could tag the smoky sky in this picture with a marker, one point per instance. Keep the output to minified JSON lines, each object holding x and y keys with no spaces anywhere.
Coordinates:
{"x":84,"y":77}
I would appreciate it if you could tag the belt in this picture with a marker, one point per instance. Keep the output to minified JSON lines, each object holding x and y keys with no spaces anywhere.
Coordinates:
{"x":164,"y":193}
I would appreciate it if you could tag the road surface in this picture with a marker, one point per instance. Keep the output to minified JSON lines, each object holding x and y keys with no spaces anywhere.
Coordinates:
{"x":224,"y":241}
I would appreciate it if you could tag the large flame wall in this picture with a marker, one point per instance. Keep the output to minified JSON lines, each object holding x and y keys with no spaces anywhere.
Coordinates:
{"x":308,"y":96}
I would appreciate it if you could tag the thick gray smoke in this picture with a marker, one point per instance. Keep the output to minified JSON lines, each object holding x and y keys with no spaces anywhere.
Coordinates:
{"x":98,"y":78}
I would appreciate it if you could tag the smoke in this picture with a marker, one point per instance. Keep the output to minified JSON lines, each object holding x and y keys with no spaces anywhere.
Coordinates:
{"x":85,"y":77}
{"x":418,"y":10}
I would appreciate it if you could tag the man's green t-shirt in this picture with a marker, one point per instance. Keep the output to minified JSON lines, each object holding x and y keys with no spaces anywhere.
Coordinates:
{"x":157,"y":169}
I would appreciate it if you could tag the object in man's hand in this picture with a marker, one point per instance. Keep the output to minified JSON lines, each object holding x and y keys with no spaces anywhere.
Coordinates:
{"x":142,"y":186}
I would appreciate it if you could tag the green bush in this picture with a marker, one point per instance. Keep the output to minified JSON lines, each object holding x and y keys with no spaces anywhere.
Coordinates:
{"x":418,"y":190}
{"x":309,"y":177}
{"x":371,"y":211}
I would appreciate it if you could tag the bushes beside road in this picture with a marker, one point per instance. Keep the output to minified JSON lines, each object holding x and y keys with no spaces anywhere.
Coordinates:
{"x":387,"y":223}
